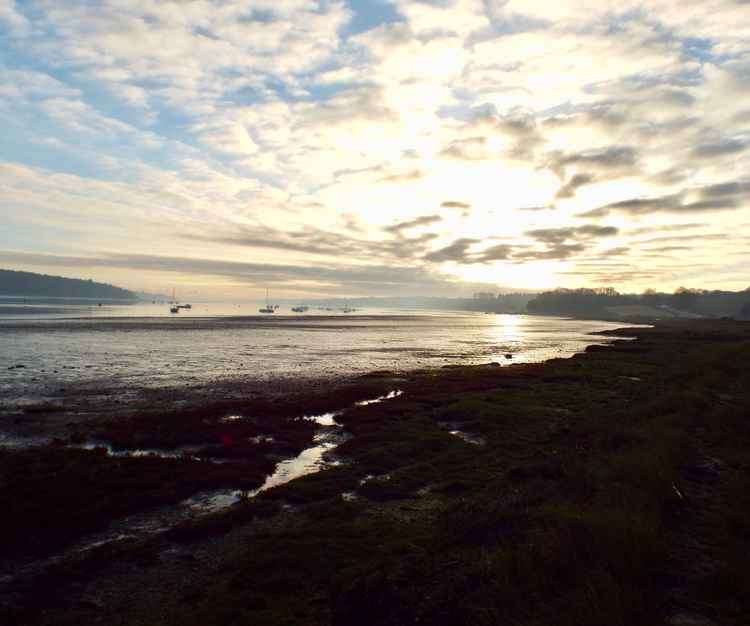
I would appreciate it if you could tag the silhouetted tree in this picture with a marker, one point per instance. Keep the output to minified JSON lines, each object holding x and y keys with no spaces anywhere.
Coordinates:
{"x":581,"y":302}
{"x":685,"y":298}
{"x":15,"y":283}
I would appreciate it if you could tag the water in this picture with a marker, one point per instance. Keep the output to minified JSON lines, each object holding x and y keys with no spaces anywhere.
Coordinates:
{"x":60,"y":308}
{"x":157,"y":521}
{"x":89,"y":350}
{"x":310,"y":461}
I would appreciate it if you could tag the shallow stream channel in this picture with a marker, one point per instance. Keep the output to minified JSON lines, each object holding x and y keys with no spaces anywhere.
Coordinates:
{"x":142,"y":525}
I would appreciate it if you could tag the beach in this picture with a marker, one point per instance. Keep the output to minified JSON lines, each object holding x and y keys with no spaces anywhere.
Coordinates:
{"x":55,"y":369}
{"x":601,"y":488}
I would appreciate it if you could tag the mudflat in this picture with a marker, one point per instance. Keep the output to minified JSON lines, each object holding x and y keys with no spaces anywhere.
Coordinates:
{"x":612,"y":487}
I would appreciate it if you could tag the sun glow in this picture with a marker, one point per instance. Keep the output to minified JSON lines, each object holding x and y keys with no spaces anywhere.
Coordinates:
{"x":531,"y":275}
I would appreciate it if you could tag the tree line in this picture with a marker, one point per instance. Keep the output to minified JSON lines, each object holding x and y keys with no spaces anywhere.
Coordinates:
{"x":28,"y":284}
{"x":584,"y":302}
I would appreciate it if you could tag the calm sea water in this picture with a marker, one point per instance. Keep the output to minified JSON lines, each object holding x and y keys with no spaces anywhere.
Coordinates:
{"x":143,"y":346}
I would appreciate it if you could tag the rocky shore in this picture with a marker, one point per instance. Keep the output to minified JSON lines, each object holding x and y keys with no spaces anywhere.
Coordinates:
{"x":612,"y":487}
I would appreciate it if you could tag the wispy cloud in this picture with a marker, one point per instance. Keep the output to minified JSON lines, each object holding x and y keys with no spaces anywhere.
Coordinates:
{"x":464,"y":138}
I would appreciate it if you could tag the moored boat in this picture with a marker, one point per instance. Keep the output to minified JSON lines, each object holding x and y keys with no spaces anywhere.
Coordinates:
{"x":268,"y":309}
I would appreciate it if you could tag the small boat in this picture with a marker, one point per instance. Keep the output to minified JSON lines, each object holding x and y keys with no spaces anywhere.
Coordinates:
{"x":300,"y":309}
{"x":186,"y":306}
{"x":173,"y":306}
{"x":268,"y":309}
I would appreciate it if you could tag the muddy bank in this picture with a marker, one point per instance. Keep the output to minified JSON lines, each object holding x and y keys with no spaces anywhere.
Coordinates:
{"x":573,"y":492}
{"x":53,"y":372}
{"x":91,"y":472}
{"x":66,"y":407}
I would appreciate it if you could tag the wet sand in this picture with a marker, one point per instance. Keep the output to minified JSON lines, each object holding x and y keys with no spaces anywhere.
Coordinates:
{"x":55,"y":371}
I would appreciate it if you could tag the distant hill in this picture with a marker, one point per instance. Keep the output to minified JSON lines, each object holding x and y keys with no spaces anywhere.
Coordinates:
{"x":28,"y":284}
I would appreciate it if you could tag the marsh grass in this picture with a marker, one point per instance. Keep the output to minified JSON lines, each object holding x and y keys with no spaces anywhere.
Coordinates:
{"x":569,"y":515}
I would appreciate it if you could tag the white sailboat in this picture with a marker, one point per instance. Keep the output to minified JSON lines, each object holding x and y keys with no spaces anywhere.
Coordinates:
{"x":268,"y":309}
{"x":173,"y":306}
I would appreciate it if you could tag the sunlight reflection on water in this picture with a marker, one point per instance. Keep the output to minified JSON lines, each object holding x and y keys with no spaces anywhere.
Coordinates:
{"x":125,"y":357}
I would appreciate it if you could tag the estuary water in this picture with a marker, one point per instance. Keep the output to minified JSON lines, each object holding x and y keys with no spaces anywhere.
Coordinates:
{"x":45,"y":348}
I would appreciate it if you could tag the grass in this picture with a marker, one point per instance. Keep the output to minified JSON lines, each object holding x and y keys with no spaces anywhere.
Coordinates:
{"x":573,"y":512}
{"x":51,"y":497}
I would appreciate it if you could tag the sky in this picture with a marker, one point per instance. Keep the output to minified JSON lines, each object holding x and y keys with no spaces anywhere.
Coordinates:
{"x":376,"y":147}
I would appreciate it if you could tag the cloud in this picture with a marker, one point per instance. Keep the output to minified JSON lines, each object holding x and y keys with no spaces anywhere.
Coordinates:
{"x":537,"y":208}
{"x":669,"y":249}
{"x":568,"y":190}
{"x":499,"y":252}
{"x":317,"y":242}
{"x":224,"y":130}
{"x":612,"y":159}
{"x":717,"y":197}
{"x":402,"y":177}
{"x":424,"y":220}
{"x":457,"y":251}
{"x":666,"y":228}
{"x":558,"y":235}
{"x":321,"y":278}
{"x":557,"y":244}
{"x":697,"y":238}
{"x":619,"y":251}
{"x":463,"y":208}
{"x":554,"y":252}
{"x":720,"y":148}
{"x":15,"y":22}
{"x":470,"y":149}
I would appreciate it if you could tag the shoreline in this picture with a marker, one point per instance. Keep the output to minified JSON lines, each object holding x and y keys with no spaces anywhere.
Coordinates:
{"x":47,"y":399}
{"x":528,"y":433}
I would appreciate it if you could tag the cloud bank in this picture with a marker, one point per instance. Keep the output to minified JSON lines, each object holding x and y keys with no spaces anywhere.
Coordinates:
{"x":455,"y":142}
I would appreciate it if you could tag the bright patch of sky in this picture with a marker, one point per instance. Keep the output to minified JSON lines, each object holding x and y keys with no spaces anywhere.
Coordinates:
{"x":376,"y":146}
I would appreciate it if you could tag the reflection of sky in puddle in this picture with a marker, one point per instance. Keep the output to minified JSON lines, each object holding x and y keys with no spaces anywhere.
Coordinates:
{"x":326,"y":419}
{"x":177,"y":453}
{"x":262,"y":439}
{"x":389,"y":396}
{"x":467,"y":437}
{"x":371,"y":477}
{"x":306,"y":462}
{"x":187,"y":453}
{"x":309,"y":461}
{"x":231,"y":418}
